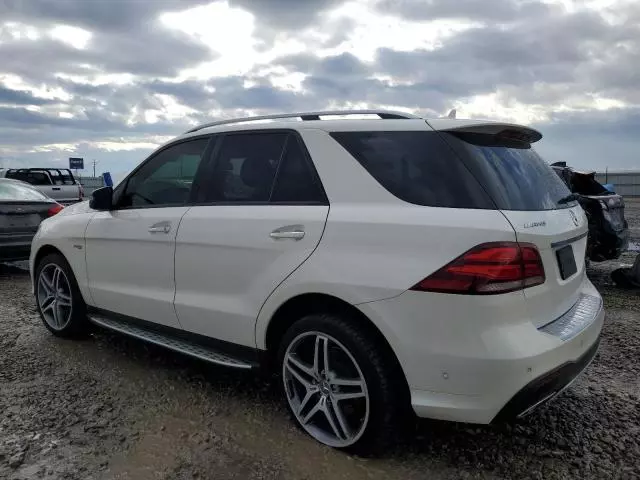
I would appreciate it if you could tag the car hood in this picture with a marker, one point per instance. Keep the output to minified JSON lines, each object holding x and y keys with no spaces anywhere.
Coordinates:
{"x":76,"y":208}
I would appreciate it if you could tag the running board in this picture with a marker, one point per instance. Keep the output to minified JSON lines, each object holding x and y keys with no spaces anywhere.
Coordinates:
{"x":173,"y":343}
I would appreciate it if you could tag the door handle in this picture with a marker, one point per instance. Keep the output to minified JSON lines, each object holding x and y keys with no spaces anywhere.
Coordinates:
{"x":293,"y":232}
{"x":55,"y":188}
{"x":162,"y":227}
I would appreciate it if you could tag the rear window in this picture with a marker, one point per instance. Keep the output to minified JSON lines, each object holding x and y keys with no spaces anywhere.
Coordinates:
{"x":417,"y":167}
{"x":515,"y":176}
{"x":15,"y":192}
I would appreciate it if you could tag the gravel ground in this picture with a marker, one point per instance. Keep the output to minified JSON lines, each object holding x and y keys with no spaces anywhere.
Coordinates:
{"x":110,"y":407}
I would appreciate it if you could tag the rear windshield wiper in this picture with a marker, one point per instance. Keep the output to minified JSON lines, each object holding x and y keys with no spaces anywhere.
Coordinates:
{"x":572,"y":197}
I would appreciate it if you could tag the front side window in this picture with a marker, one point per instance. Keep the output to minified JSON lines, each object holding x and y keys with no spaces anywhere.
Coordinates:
{"x":166,"y":178}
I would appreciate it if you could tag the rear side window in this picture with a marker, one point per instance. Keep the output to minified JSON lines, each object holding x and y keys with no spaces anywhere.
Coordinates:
{"x":246,"y":166}
{"x":296,"y":182}
{"x":417,"y":167}
{"x":262,"y":167}
{"x":515,"y":176}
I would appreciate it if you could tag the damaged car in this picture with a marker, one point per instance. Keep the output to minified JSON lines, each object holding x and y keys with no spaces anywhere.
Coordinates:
{"x":608,"y":229}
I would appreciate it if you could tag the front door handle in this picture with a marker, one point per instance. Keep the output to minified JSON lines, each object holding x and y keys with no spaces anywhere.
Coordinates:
{"x":293,"y":232}
{"x":162,"y":227}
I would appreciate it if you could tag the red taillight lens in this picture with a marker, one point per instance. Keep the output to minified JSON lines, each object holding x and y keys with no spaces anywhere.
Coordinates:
{"x":488,"y":269}
{"x":53,"y":210}
{"x":81,"y":188}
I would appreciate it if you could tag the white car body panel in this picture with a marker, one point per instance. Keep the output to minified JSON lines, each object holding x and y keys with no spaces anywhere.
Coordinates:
{"x":555,"y":296}
{"x":354,"y":263}
{"x":65,"y":232}
{"x":130,"y":269}
{"x":227,"y":264}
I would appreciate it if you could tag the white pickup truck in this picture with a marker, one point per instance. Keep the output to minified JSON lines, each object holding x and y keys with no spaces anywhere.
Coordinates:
{"x":56,"y":183}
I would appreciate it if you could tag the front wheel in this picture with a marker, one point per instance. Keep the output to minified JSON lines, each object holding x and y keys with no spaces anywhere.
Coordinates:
{"x":58,"y":297}
{"x":340,"y":385}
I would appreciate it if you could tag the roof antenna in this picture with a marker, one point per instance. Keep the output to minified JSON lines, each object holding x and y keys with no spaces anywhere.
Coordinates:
{"x":452,"y":114}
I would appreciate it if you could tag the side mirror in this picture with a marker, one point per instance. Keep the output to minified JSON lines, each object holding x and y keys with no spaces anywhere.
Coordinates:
{"x":102,"y":199}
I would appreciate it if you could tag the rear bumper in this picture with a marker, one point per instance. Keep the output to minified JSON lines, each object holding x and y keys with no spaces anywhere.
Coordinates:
{"x":482,"y":360}
{"x":545,"y":388}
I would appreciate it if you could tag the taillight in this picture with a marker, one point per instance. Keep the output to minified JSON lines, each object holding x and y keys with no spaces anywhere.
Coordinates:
{"x":488,"y":269}
{"x":81,"y":189}
{"x":53,"y":210}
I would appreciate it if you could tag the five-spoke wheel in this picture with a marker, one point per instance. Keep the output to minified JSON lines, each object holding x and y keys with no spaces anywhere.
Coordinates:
{"x":342,"y":383}
{"x":58,"y":298}
{"x":54,"y":296}
{"x":326,"y":389}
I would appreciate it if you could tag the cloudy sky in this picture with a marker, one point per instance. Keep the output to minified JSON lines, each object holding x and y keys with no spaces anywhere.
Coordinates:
{"x":110,"y":80}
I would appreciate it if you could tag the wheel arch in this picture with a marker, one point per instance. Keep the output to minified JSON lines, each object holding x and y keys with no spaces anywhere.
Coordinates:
{"x":308,"y":303}
{"x":47,"y":249}
{"x":43,"y":251}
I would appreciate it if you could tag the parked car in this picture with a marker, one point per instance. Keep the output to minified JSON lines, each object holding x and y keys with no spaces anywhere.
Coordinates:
{"x":381,"y":265}
{"x":608,"y":229}
{"x":56,"y":183}
{"x":22,"y":208}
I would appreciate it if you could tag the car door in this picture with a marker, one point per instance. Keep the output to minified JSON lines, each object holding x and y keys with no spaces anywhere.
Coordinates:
{"x":261,"y":212}
{"x":130,"y":249}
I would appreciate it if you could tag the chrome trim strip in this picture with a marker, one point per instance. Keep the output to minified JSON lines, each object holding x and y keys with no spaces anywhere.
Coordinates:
{"x":564,"y":243}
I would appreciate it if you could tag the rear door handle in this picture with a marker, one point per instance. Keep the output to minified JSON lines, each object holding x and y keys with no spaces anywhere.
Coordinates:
{"x":161,"y":227}
{"x":293,"y":232}
{"x":55,"y":188}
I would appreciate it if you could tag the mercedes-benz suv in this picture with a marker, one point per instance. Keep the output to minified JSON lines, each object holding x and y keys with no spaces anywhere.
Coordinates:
{"x":380,"y":265}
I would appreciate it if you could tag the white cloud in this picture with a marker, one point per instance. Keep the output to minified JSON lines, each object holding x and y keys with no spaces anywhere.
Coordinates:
{"x":74,"y":36}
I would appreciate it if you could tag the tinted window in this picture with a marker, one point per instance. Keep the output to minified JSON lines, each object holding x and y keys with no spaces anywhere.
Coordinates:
{"x":38,"y":178}
{"x":245,"y":167}
{"x":14,"y":191}
{"x":417,"y":167}
{"x":166,"y":178}
{"x":514,"y":174}
{"x":296,"y":182}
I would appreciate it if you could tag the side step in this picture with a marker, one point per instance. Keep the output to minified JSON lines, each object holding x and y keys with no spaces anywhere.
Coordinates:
{"x":202,"y":352}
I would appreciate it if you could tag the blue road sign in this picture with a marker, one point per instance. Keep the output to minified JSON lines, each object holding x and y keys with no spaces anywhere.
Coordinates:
{"x":76,"y":163}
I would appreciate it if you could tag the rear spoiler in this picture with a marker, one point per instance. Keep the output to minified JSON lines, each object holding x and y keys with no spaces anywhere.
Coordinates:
{"x":508,"y":130}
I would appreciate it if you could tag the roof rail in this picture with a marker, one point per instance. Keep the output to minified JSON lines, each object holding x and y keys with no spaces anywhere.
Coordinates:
{"x":383,"y":114}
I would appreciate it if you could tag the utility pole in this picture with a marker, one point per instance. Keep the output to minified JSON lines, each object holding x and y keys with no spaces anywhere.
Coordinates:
{"x":94,"y":167}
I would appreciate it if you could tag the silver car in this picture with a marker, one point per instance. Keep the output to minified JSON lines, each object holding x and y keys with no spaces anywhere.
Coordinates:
{"x":22,"y":208}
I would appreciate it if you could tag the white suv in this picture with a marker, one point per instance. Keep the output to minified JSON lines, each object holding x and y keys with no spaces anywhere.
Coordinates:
{"x":378,"y":263}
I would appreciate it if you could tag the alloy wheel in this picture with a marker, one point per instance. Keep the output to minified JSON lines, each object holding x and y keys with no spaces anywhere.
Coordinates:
{"x":326,"y":389}
{"x":54,"y":296}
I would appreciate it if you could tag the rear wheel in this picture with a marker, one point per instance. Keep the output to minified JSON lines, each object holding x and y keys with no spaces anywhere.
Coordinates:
{"x":58,"y":298}
{"x":340,"y":386}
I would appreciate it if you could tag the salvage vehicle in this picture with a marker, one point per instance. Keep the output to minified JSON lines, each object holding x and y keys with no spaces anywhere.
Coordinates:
{"x":608,"y":229}
{"x":22,"y":208}
{"x":56,"y":183}
{"x":381,"y":266}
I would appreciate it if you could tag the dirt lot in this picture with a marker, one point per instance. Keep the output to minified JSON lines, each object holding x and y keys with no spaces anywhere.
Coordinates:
{"x":114,"y":408}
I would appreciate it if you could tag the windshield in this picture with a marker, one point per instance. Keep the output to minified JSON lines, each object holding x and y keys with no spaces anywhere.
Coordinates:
{"x":15,"y":192}
{"x":515,"y":176}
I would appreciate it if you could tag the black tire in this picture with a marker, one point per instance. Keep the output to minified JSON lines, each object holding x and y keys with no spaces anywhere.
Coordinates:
{"x":389,"y":400}
{"x":77,"y":325}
